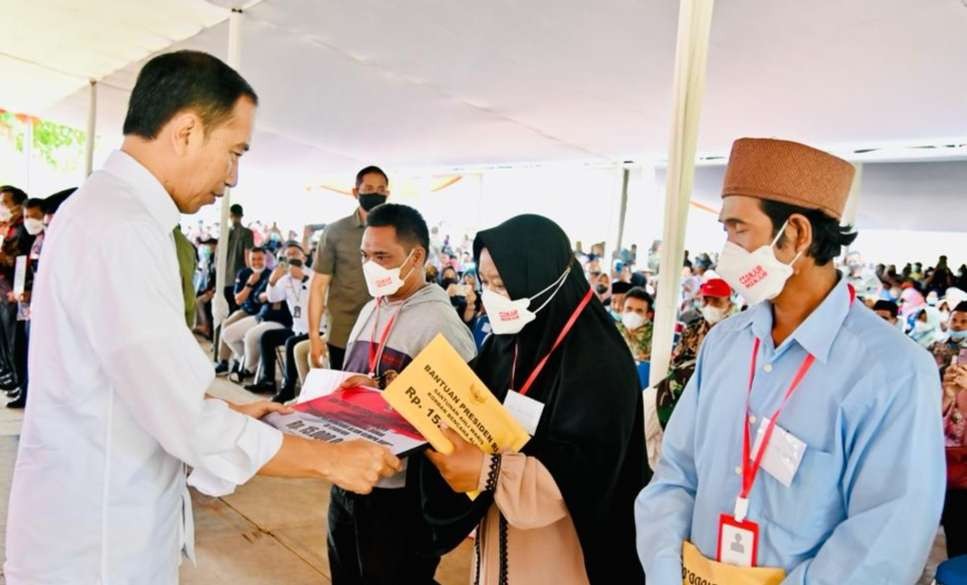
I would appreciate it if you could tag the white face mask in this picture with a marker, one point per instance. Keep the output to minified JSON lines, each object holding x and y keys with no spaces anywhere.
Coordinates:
{"x":5,"y":213}
{"x":508,"y":317}
{"x":383,"y":282}
{"x":633,"y":321}
{"x":713,"y":314}
{"x":756,"y":276}
{"x":33,"y":226}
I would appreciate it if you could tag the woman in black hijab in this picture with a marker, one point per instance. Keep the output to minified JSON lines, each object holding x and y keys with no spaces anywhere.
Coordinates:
{"x":561,"y":511}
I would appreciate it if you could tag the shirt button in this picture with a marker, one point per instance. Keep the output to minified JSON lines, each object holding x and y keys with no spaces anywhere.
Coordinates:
{"x":752,"y":419}
{"x":738,"y":471}
{"x":767,"y":368}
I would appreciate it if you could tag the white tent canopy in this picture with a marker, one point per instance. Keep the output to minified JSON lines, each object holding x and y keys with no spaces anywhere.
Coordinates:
{"x":454,"y":83}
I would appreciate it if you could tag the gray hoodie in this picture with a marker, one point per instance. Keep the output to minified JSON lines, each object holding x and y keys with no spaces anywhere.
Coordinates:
{"x":422,"y":316}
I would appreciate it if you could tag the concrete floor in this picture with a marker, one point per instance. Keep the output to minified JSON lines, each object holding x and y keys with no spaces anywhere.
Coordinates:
{"x":271,"y":530}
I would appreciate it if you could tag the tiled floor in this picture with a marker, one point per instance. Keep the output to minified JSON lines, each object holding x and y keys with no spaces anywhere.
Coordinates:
{"x":270,"y":531}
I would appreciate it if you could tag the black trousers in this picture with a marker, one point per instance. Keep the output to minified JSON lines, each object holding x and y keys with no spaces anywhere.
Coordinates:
{"x":379,"y":539}
{"x":230,"y":297}
{"x":954,"y":522}
{"x":20,"y":349}
{"x":270,"y":341}
{"x":337,"y":355}
{"x":8,"y":335}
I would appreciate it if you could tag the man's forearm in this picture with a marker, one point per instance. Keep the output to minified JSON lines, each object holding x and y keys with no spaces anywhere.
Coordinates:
{"x":317,"y":307}
{"x":298,"y":457}
{"x":243,"y":295}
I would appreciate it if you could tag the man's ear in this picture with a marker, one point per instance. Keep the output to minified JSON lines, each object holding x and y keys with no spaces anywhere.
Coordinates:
{"x":182,"y":129}
{"x":802,"y":236}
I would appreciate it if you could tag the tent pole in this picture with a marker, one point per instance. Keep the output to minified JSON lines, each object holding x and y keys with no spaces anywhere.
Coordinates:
{"x":220,"y":303}
{"x":623,"y":214}
{"x":91,"y":128}
{"x":691,"y":57}
{"x":853,"y":201}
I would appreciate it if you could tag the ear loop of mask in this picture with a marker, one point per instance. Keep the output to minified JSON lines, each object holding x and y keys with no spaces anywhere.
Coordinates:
{"x":405,"y":260}
{"x":556,"y":285}
{"x":779,"y":235}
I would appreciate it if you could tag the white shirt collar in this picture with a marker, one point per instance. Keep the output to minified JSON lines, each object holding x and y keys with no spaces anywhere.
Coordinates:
{"x":149,"y":190}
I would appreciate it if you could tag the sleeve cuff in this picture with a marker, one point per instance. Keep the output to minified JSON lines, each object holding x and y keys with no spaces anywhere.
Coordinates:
{"x":220,"y":473}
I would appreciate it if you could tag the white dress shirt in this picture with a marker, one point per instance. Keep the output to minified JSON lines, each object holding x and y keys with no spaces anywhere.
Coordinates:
{"x":117,"y":402}
{"x":296,"y":296}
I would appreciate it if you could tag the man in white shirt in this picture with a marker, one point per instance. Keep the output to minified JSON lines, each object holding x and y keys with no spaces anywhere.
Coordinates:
{"x":118,"y":408}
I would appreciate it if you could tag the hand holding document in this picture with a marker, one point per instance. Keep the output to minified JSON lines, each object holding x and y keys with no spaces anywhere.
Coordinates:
{"x":438,"y":387}
{"x":350,"y":413}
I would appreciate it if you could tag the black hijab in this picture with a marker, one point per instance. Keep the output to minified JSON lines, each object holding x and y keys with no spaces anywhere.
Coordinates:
{"x":591,"y":434}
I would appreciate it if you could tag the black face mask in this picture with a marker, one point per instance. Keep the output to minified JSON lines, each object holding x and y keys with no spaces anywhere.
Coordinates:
{"x":370,"y":200}
{"x":602,"y":289}
{"x":295,"y":263}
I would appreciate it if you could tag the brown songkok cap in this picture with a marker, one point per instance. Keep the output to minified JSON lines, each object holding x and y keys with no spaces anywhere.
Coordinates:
{"x":788,"y":172}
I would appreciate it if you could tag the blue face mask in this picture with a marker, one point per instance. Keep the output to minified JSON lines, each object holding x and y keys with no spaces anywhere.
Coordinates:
{"x":958,"y":335}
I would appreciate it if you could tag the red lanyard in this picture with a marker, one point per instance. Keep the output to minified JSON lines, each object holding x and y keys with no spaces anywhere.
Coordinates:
{"x":560,"y":338}
{"x":750,"y":466}
{"x":376,"y":351}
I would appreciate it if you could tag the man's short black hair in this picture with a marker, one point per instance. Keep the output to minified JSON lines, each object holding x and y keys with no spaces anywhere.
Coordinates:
{"x":829,"y":237}
{"x":642,"y":295}
{"x":410,"y":226}
{"x":17,"y":195}
{"x":53,"y":202}
{"x":236,"y":209}
{"x":889,"y":306}
{"x":257,"y":250}
{"x":294,"y":244}
{"x":34,"y":203}
{"x":179,"y":81}
{"x":961,"y":307}
{"x":372,"y":169}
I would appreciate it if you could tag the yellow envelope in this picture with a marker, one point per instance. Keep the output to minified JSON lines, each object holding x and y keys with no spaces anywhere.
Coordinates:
{"x":698,"y":569}
{"x":439,"y":387}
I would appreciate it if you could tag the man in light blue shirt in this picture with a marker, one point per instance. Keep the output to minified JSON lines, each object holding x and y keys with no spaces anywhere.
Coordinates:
{"x":864,"y":503}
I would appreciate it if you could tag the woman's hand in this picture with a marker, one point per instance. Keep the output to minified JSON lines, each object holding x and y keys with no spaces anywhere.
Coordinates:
{"x":358,"y":380}
{"x":460,"y":469}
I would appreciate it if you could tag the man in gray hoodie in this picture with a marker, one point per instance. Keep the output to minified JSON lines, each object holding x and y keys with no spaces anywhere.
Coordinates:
{"x":382,"y":538}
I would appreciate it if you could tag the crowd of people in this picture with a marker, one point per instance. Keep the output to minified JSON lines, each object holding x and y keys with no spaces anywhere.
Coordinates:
{"x":619,"y":479}
{"x":23,"y":221}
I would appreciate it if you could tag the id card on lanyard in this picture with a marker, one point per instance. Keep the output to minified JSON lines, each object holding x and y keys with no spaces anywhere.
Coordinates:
{"x":523,"y":408}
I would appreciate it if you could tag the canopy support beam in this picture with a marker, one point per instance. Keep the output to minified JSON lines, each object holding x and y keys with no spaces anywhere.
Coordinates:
{"x":623,"y":213}
{"x":91,"y":129}
{"x":220,"y":303}
{"x":691,"y":57}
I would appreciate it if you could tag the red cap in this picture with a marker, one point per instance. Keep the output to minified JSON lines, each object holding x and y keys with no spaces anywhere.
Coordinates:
{"x":716,"y":288}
